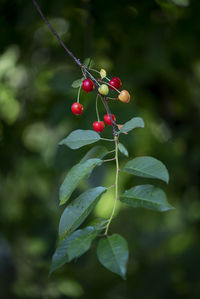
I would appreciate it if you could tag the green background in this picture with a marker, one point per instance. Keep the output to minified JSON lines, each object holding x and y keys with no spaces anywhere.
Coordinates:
{"x":154,"y":47}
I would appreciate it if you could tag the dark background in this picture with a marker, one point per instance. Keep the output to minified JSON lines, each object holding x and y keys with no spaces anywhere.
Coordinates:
{"x":153,"y":46}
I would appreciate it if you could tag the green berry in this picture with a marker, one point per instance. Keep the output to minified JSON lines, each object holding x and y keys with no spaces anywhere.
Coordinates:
{"x":103,"y":89}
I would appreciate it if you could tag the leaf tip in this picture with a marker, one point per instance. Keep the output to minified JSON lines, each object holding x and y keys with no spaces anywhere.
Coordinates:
{"x":168,"y":208}
{"x":171,"y":208}
{"x":167,"y":178}
{"x":123,"y":277}
{"x":50,"y":271}
{"x":62,"y":199}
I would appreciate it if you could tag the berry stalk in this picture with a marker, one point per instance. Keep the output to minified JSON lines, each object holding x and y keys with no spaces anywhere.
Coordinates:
{"x":78,"y":96}
{"x":116,"y":186}
{"x":103,"y":98}
{"x":97,"y":111}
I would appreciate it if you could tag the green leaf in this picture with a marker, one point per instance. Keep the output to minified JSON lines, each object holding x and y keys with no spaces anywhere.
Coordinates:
{"x":77,"y":83}
{"x":73,"y":246}
{"x":135,"y":122}
{"x":95,"y":152}
{"x":74,"y":176}
{"x":146,"y":196}
{"x":76,"y":212}
{"x":88,"y":62}
{"x":147,"y":167}
{"x":171,"y":3}
{"x":98,"y":223}
{"x":79,"y":138}
{"x":122,"y":149}
{"x":181,"y":2}
{"x":112,"y":252}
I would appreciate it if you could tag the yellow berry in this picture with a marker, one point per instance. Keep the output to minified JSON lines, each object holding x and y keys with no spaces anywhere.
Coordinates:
{"x":124,"y":96}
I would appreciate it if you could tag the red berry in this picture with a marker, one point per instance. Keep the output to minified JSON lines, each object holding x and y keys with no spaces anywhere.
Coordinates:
{"x":77,"y":108}
{"x":88,"y":85}
{"x":107,"y":119}
{"x":98,"y":126}
{"x":115,"y":82}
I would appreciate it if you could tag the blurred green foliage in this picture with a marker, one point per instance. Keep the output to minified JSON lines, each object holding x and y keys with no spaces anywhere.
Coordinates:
{"x":154,"y":47}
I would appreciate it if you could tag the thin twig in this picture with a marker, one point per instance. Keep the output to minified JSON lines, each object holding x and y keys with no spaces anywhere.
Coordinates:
{"x":108,"y":160}
{"x":56,"y":34}
{"x":116,"y":187}
{"x":106,"y":139}
{"x":77,"y":61}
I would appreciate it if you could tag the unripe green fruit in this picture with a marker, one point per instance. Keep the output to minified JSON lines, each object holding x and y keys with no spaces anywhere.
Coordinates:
{"x":103,"y":89}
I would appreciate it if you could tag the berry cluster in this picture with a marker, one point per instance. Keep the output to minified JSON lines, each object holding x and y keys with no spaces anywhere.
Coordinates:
{"x":103,"y":87}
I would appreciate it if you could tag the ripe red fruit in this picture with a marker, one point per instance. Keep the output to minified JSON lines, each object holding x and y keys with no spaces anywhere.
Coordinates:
{"x":115,"y":82}
{"x":107,"y":119}
{"x":77,"y":108}
{"x":98,"y":126}
{"x":88,"y":85}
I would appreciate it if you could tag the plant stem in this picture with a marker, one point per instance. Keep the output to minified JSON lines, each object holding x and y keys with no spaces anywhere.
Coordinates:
{"x":106,"y":139}
{"x":110,"y":152}
{"x":116,"y":186}
{"x":107,"y":160}
{"x":97,"y":112}
{"x":114,"y":99}
{"x":104,"y":99}
{"x":112,"y":87}
{"x":93,"y":70}
{"x":56,"y":34}
{"x":110,"y":188}
{"x":84,"y":75}
{"x":77,"y":61}
{"x":78,"y":96}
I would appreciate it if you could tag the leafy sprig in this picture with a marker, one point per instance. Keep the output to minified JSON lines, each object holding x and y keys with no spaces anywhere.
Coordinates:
{"x":74,"y":241}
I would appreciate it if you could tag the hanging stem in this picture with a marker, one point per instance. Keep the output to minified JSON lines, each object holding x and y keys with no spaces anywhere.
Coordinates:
{"x":84,"y":75}
{"x":103,"y":103}
{"x":97,"y":83}
{"x":111,"y":188}
{"x":78,"y":96}
{"x":114,"y":99}
{"x":106,"y":139}
{"x":97,"y":112}
{"x":110,"y":152}
{"x":106,"y":79}
{"x":116,"y":186}
{"x":108,"y":160}
{"x":93,"y":70}
{"x":112,"y":87}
